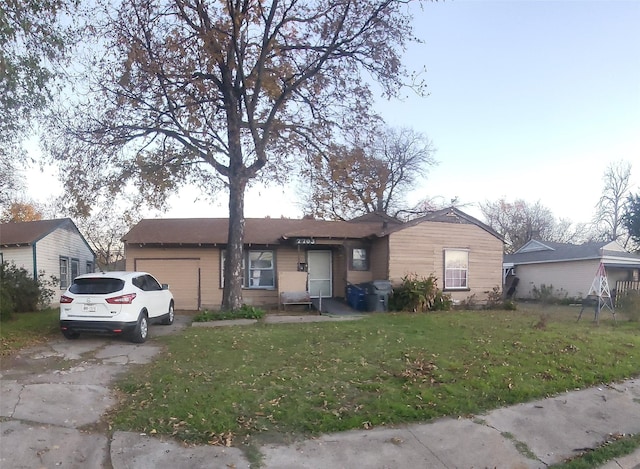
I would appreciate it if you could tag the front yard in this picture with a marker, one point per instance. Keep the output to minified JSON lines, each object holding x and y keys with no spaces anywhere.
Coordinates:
{"x":239,"y":384}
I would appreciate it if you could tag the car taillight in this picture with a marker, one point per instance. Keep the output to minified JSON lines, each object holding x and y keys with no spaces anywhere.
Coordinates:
{"x":65,"y":299}
{"x":121,"y":300}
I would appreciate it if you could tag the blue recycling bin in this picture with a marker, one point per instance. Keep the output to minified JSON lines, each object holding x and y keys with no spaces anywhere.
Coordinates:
{"x":356,"y":297}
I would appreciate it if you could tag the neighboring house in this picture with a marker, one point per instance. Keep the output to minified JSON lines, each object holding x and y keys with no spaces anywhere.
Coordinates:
{"x":54,"y":248}
{"x":463,"y":253}
{"x":570,"y":269}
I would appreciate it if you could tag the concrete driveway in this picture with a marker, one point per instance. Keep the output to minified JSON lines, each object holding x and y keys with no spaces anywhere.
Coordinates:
{"x":54,"y":398}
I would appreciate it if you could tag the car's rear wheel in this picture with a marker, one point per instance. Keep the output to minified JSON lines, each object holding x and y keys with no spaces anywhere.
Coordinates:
{"x":71,"y":335}
{"x":141,"y":331}
{"x":168,"y":318}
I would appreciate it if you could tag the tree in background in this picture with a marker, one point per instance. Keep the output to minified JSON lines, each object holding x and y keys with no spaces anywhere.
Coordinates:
{"x":221,"y":93}
{"x":10,"y":182}
{"x":34,"y":45}
{"x":631,"y":219}
{"x":21,"y":212}
{"x":519,"y":222}
{"x":608,"y":219}
{"x":366,"y":177}
{"x":104,"y":230}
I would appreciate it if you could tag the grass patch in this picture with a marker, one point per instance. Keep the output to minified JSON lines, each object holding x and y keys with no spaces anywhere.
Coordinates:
{"x":27,"y":329}
{"x":229,"y":385}
{"x":616,"y":447}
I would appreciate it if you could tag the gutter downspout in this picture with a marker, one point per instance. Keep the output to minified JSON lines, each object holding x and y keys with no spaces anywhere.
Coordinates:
{"x":35,"y":263}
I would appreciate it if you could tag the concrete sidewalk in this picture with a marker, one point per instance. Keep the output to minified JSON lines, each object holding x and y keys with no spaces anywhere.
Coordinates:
{"x":54,"y":398}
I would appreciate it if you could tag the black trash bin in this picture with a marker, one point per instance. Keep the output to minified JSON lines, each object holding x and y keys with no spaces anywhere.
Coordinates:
{"x":377,"y":296}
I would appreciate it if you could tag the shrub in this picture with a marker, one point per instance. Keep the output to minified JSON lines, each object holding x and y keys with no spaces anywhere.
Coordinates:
{"x":244,"y":312}
{"x":20,"y":292}
{"x":629,"y":303}
{"x":546,"y":294}
{"x":419,"y":294}
{"x":495,"y":300}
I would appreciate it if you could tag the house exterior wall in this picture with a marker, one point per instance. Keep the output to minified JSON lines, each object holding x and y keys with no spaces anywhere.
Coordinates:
{"x":420,"y":250}
{"x":63,"y":243}
{"x":570,"y":278}
{"x":417,"y":249}
{"x":380,"y":259}
{"x":22,"y":257}
{"x":181,"y":267}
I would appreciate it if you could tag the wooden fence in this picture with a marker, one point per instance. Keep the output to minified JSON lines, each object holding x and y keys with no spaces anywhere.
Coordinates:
{"x":622,"y":287}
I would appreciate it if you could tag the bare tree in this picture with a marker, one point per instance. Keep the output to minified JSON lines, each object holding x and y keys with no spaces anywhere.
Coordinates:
{"x":608,"y":218}
{"x":104,"y":230}
{"x":519,"y":222}
{"x":367,"y":177}
{"x":224,"y":92}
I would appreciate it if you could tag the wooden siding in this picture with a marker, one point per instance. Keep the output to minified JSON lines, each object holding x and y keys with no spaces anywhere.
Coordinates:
{"x":380,"y":259}
{"x":48,"y":251}
{"x":182,"y":275}
{"x":572,"y":279}
{"x":181,"y":259}
{"x":22,"y":257}
{"x":420,"y":250}
{"x":181,"y":263}
{"x":62,"y":243}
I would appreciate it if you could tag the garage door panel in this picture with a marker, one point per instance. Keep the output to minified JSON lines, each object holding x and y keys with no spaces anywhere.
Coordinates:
{"x":182,"y":275}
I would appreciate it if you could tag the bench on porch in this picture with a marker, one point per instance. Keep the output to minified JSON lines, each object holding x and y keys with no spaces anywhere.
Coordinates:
{"x":292,"y":289}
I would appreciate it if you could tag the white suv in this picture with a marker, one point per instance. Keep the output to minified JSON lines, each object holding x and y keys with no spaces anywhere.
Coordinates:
{"x":115,"y":303}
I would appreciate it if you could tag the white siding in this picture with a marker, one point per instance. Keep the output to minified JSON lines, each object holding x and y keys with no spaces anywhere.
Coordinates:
{"x":63,"y":242}
{"x":21,"y":257}
{"x":571,"y":278}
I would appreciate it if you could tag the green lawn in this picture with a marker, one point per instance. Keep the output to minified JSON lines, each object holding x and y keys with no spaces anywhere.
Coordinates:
{"x":26,"y":329}
{"x":235,"y":384}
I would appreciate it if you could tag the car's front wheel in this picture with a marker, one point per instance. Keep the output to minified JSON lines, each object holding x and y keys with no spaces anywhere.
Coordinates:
{"x":141,"y":331}
{"x":168,"y":318}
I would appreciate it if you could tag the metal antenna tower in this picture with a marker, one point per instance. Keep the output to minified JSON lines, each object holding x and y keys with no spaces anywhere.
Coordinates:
{"x":600,"y":293}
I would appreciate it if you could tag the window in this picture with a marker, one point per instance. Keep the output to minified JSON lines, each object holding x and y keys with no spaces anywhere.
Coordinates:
{"x":359,"y":259}
{"x":146,"y":283}
{"x":456,"y":269}
{"x":96,"y":286}
{"x":75,"y":268}
{"x":261,"y":271}
{"x":89,"y":267}
{"x":64,"y":273}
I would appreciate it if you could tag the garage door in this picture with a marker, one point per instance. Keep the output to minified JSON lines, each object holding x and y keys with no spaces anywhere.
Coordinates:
{"x":182,"y":275}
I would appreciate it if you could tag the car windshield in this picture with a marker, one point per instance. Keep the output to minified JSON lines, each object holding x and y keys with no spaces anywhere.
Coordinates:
{"x":96,"y":286}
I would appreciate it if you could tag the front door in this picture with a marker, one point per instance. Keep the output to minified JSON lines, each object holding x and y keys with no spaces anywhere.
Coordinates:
{"x":319,"y":265}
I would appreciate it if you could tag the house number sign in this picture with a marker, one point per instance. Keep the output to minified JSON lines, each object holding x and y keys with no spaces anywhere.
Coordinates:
{"x":305,"y":241}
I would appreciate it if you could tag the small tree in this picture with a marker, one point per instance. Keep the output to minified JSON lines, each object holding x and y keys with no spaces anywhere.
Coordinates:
{"x":20,"y":292}
{"x":21,"y":212}
{"x":631,"y":219}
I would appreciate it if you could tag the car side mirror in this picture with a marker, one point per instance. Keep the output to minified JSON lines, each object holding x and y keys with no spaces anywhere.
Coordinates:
{"x":165,"y":286}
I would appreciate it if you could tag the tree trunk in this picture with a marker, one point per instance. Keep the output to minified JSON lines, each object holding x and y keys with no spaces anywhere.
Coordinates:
{"x":232,"y":292}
